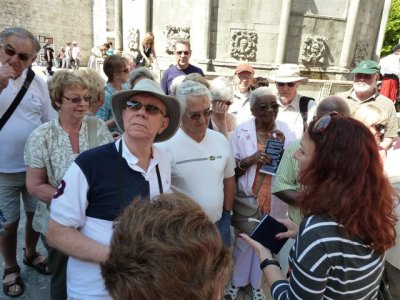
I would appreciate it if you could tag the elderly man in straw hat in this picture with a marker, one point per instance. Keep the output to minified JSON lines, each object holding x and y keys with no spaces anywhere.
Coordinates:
{"x":295,"y":110}
{"x":104,"y":180}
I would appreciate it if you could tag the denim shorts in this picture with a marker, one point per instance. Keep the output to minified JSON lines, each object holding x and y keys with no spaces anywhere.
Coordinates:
{"x":12,"y":191}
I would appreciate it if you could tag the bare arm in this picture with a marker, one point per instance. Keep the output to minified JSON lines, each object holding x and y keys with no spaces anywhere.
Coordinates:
{"x":73,"y":243}
{"x":386,"y":143}
{"x":288,"y":196}
{"x":229,"y":192}
{"x":38,"y":185}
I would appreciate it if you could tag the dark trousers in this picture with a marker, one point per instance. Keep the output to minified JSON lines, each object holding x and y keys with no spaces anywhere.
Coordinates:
{"x":49,"y":67}
{"x":57,"y":263}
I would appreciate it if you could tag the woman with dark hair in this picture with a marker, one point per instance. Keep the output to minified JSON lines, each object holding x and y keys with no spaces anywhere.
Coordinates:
{"x":349,"y":219}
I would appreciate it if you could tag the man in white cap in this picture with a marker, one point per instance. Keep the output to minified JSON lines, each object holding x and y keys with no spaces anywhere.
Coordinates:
{"x":242,"y":79}
{"x":104,"y":180}
{"x":295,"y":110}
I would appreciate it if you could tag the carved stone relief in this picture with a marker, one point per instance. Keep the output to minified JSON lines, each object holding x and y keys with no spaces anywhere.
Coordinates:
{"x":133,"y":39}
{"x":315,"y":51}
{"x":243,"y":44}
{"x":172,"y":33}
{"x":361,"y":52}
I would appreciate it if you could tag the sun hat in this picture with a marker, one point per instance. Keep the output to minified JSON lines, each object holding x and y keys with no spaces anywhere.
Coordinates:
{"x":366,"y":67}
{"x":288,"y":73}
{"x":244,"y":68}
{"x":119,"y":99}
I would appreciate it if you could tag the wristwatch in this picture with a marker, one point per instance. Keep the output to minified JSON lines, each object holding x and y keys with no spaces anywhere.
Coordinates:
{"x":267,"y":262}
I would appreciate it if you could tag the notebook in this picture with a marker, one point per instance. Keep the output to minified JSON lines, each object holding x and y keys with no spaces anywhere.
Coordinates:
{"x":265,"y":232}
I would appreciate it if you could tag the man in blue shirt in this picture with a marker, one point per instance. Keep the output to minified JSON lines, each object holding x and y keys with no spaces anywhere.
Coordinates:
{"x":182,"y":54}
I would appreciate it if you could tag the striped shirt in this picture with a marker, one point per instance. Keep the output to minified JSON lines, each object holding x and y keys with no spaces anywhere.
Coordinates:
{"x":327,"y":265}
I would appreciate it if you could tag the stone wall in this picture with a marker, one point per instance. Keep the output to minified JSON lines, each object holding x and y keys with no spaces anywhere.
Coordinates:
{"x":61,"y":20}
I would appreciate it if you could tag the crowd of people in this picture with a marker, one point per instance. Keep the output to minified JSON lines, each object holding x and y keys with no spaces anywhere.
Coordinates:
{"x":132,"y":184}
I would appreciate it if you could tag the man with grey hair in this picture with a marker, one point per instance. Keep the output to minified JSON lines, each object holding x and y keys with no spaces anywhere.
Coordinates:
{"x":20,"y":114}
{"x":182,"y":54}
{"x":138,"y":74}
{"x":202,"y":164}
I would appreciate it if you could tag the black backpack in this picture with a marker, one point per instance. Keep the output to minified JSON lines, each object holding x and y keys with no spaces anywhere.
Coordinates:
{"x":304,"y":109}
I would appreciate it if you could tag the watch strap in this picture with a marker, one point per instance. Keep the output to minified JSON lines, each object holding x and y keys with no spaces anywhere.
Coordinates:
{"x":267,"y":262}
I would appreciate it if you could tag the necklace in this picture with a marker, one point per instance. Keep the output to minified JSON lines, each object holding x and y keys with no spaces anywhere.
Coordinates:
{"x":262,"y":136}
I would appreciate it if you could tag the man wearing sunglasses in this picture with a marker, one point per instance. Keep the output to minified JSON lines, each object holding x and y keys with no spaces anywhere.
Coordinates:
{"x":182,"y":53}
{"x":202,"y":163}
{"x":365,"y":92}
{"x":295,"y":110}
{"x":104,"y":180}
{"x":18,"y":50}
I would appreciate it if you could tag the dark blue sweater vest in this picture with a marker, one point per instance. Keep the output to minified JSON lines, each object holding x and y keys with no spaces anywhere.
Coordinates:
{"x":106,"y":172}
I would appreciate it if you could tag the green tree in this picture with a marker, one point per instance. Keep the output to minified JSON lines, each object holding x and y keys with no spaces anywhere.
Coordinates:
{"x":392,"y":33}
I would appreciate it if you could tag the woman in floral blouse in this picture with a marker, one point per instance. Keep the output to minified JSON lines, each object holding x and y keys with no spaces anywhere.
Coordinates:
{"x":50,"y":150}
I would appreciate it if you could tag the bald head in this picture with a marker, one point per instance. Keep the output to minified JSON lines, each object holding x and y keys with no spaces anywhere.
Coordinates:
{"x":333,"y":103}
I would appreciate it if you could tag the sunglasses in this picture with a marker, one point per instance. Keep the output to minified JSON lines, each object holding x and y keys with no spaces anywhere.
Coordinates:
{"x":196,"y":115}
{"x":289,"y":84}
{"x":21,"y":56}
{"x":379,"y":127}
{"x":78,"y":99}
{"x":149,"y":108}
{"x":264,"y":107}
{"x":323,"y":123}
{"x":183,"y":52}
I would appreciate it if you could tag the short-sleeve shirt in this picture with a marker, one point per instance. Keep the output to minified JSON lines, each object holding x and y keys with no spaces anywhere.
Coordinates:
{"x":383,"y":103}
{"x":173,"y":72}
{"x":286,"y":178}
{"x":49,"y":147}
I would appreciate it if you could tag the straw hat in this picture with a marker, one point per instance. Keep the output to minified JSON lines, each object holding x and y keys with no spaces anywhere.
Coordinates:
{"x":288,"y":73}
{"x":119,"y":99}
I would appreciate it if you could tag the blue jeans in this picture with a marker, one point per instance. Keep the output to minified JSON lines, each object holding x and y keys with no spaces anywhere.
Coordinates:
{"x":224,"y":227}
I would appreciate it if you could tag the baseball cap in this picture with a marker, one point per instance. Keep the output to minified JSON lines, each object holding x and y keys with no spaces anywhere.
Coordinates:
{"x":244,"y":68}
{"x":366,"y":67}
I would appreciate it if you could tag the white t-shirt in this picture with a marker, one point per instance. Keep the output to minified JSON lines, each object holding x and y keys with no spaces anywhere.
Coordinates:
{"x":34,"y":110}
{"x":240,"y":108}
{"x":84,"y":280}
{"x":199,"y":169}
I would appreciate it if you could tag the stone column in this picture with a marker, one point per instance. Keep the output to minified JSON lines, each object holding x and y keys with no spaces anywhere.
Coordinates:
{"x":118,"y":25}
{"x":382,"y":28}
{"x":200,"y":31}
{"x":283,"y":31}
{"x":147,"y":20}
{"x":345,"y":56}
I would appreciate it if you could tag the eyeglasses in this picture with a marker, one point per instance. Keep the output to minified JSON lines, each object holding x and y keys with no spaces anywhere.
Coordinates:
{"x":21,"y":56}
{"x":183,"y":52}
{"x":196,"y":115}
{"x":379,"y":127}
{"x":149,"y":108}
{"x":244,"y":76}
{"x":264,"y":107}
{"x":289,"y":84}
{"x":323,"y":123}
{"x":224,"y":102}
{"x":78,"y":99}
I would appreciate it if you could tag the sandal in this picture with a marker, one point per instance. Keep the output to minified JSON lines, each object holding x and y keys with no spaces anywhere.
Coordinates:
{"x":231,"y":292}
{"x":17,"y":281}
{"x":258,"y":294}
{"x":41,"y":267}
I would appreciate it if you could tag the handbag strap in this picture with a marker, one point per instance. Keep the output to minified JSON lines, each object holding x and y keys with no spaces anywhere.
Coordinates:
{"x":92,"y":128}
{"x":160,"y":187}
{"x":18,"y":98}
